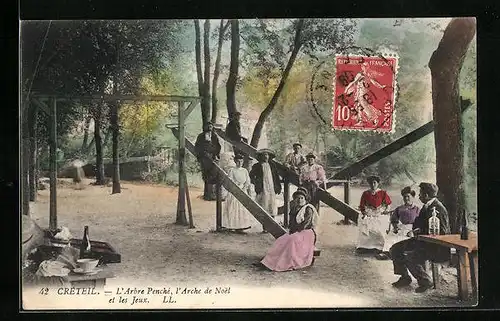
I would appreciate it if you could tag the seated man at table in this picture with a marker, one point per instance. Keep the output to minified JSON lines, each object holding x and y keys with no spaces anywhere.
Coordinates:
{"x":410,"y":255}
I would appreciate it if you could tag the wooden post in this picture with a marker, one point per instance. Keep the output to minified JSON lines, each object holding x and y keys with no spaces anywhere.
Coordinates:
{"x":53,"y":166}
{"x":286,"y":196}
{"x":188,"y":199}
{"x":218,"y":205}
{"x":347,"y":189}
{"x":33,"y":180}
{"x":181,"y":201}
{"x":473,"y":260}
{"x":463,"y":274}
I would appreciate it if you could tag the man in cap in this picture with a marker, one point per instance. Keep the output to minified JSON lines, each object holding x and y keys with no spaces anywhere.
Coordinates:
{"x":410,"y":255}
{"x":233,"y":130}
{"x":266,"y":180}
{"x":207,"y":149}
{"x":312,"y":176}
{"x":295,"y":160}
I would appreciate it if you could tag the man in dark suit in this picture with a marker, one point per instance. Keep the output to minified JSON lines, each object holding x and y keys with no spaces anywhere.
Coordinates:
{"x":208,"y":148}
{"x":233,"y":131}
{"x":410,"y":255}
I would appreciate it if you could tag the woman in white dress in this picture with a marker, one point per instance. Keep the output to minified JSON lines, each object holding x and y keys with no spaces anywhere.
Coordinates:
{"x":235,"y":216}
{"x":372,"y":225}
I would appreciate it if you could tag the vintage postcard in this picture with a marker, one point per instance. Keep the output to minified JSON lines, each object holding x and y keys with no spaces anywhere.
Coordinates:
{"x":252,"y":163}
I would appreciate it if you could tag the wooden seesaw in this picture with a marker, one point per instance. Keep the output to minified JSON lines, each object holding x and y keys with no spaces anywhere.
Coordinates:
{"x":273,"y":227}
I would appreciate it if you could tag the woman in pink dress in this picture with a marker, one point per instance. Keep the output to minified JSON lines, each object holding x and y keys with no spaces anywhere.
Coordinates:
{"x":294,"y":250}
{"x":374,"y":206}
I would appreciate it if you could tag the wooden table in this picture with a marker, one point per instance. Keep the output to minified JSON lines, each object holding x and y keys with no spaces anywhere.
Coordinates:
{"x":95,"y":281}
{"x":467,"y":251}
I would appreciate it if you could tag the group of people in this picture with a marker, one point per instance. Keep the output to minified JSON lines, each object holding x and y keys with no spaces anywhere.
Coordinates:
{"x":390,"y":234}
{"x":263,"y":179}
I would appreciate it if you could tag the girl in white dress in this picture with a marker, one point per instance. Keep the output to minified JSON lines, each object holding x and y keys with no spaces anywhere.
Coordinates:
{"x":235,"y":216}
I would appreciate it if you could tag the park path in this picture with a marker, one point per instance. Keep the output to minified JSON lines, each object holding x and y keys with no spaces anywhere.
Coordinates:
{"x":138,"y":223}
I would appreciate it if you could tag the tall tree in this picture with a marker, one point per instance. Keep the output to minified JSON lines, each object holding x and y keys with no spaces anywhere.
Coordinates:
{"x":297,"y":43}
{"x":445,"y":65}
{"x":309,"y":36}
{"x":97,"y":109}
{"x":233,"y":67}
{"x":215,"y":83}
{"x":205,"y":101}
{"x":85,"y":142}
{"x":197,"y":46}
{"x":114,"y":122}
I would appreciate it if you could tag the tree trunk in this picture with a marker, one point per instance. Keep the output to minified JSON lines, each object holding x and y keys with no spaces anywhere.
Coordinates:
{"x":205,"y":101}
{"x":99,"y":170}
{"x":222,"y":30}
{"x":297,"y":43}
{"x":445,"y":65}
{"x":114,"y":122}
{"x":107,"y":136}
{"x":233,"y":68}
{"x":85,"y":148}
{"x":33,"y":182}
{"x":197,"y":46}
{"x":115,"y":139}
{"x":90,"y":146}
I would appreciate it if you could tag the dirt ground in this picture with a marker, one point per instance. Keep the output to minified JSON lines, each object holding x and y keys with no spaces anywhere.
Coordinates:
{"x":138,"y":223}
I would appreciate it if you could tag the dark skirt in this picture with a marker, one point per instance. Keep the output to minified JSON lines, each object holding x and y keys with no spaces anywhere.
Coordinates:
{"x":208,"y":171}
{"x":312,"y":189}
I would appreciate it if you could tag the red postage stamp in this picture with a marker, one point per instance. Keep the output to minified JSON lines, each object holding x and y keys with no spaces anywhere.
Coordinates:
{"x":364,"y":93}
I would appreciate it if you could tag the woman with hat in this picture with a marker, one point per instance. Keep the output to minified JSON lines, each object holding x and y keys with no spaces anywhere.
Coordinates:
{"x":295,"y":160}
{"x":402,"y":219}
{"x":373,"y":222}
{"x":235,"y":216}
{"x":295,"y":249}
{"x":312,"y":176}
{"x":266,"y":180}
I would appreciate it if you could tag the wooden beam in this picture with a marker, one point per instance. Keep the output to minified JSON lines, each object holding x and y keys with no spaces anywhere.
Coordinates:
{"x":188,"y":200}
{"x":424,"y":130}
{"x":181,"y":203}
{"x":190,"y":108}
{"x":218,"y":205}
{"x":293,"y":178}
{"x":255,"y":209}
{"x":347,"y":188}
{"x":356,"y":168}
{"x":53,"y":167}
{"x":41,"y":105}
{"x":120,"y":97}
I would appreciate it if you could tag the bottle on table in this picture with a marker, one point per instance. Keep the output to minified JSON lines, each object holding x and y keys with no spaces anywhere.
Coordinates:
{"x":434,"y":223}
{"x":464,"y":233}
{"x":85,"y":247}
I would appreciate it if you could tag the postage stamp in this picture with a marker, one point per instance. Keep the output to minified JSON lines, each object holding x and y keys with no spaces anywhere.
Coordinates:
{"x":364,"y":93}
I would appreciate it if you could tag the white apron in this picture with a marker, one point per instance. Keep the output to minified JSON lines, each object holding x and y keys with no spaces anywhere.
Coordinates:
{"x":393,"y":238}
{"x":372,"y":230}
